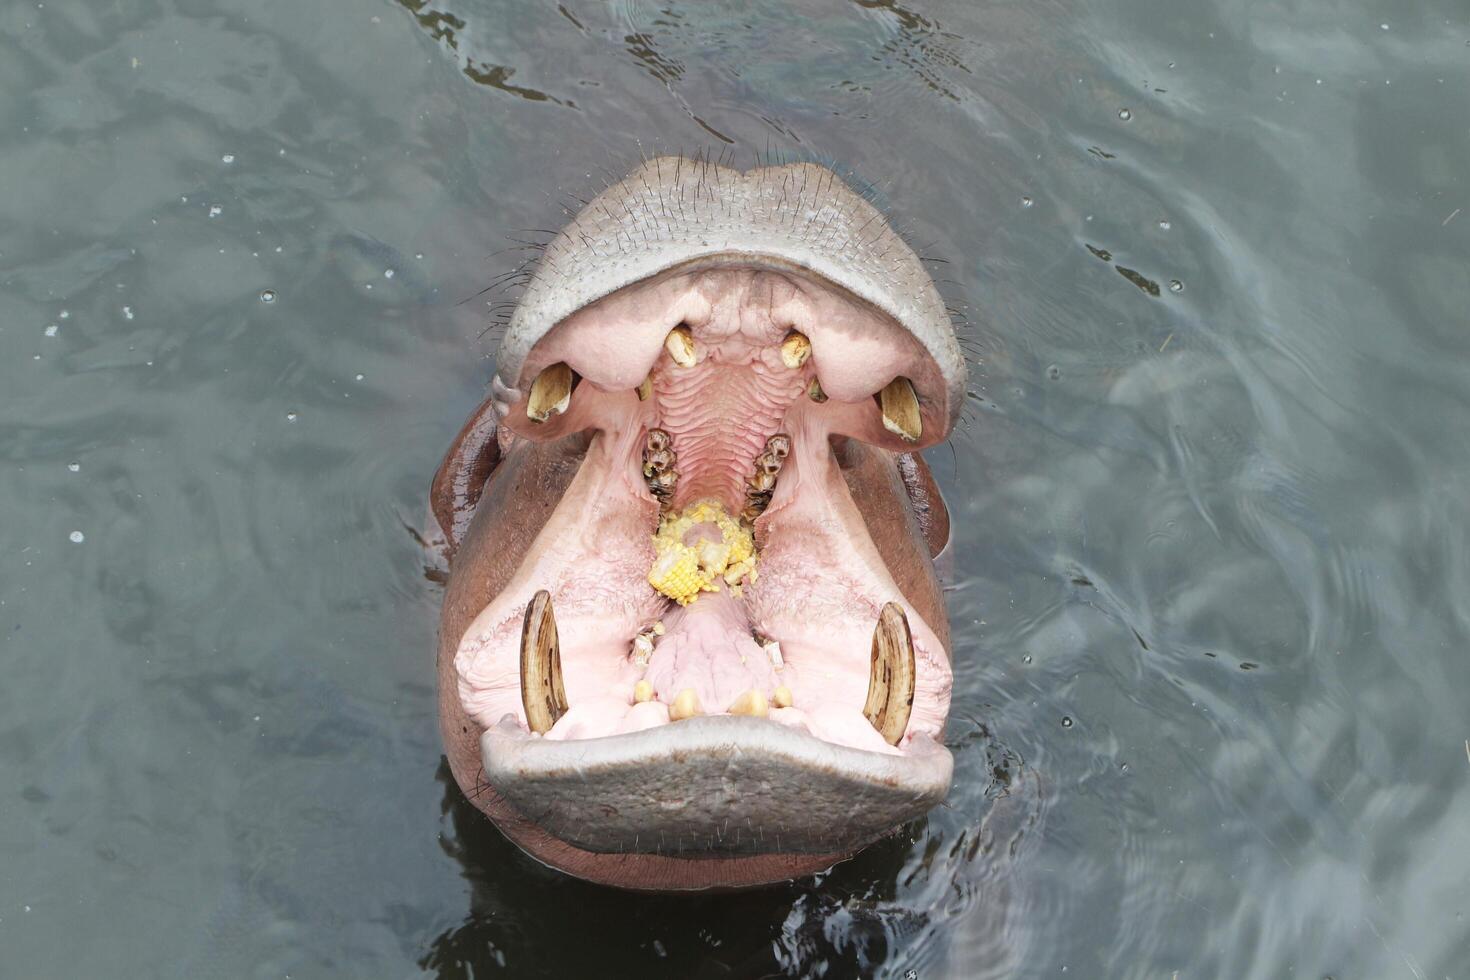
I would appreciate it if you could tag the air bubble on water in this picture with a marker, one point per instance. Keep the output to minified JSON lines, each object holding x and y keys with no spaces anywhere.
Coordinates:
{"x":387,"y":273}
{"x":1125,"y":114}
{"x":51,"y":329}
{"x":418,"y":255}
{"x":127,"y":312}
{"x":77,"y":537}
{"x":359,"y":377}
{"x":290,"y":416}
{"x":1383,"y":27}
{"x":1164,"y":224}
{"x":1175,"y":286}
{"x":1026,"y":659}
{"x":74,"y":467}
{"x":1053,"y":372}
{"x":267,"y":295}
{"x":1171,"y":64}
{"x":64,"y":315}
{"x":1026,"y":202}
{"x":227,"y":158}
{"x":215,"y":210}
{"x":1066,"y":721}
{"x":1123,"y":767}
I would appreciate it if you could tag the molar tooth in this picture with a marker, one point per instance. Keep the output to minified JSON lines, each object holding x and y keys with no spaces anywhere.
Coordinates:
{"x":901,"y":409}
{"x":752,"y":703}
{"x":551,"y":393}
{"x":795,"y":349}
{"x":642,"y":691}
{"x":686,"y":705}
{"x":642,"y":650}
{"x":815,"y":393}
{"x":659,"y":460}
{"x":773,"y":650}
{"x":891,"y":681}
{"x":781,"y":697}
{"x":680,"y":345}
{"x":542,"y":695}
{"x":779,"y":446}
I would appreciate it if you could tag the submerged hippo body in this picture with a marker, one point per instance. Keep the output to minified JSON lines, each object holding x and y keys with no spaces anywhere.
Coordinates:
{"x":692,"y":636}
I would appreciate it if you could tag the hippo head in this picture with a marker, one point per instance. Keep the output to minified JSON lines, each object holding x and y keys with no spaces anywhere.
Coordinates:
{"x":692,"y":635}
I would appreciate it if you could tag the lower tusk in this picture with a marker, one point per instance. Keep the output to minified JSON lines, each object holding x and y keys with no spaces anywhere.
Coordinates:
{"x":686,"y":705}
{"x":891,"y":682}
{"x":752,"y":703}
{"x":645,"y":390}
{"x":542,"y":694}
{"x":680,"y":345}
{"x":642,"y":691}
{"x":795,"y":349}
{"x":781,"y":697}
{"x":551,"y":393}
{"x":901,"y":410}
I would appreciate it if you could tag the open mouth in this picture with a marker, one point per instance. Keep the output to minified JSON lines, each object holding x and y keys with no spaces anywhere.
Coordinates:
{"x":693,"y":633}
{"x":726,"y":636}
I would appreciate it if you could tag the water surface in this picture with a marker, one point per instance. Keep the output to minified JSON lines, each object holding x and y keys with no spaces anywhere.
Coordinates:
{"x":1212,"y":703}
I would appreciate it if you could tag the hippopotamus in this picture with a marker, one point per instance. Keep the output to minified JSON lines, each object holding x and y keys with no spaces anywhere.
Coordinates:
{"x":692,"y":633}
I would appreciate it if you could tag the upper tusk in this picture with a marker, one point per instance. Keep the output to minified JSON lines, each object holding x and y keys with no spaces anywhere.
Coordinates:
{"x":795,"y":349}
{"x":542,"y":694}
{"x":680,"y":345}
{"x":901,"y":409}
{"x":551,"y":392}
{"x":891,"y":682}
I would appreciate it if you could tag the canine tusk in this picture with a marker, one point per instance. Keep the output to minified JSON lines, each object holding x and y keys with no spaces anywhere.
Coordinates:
{"x":891,"y":682}
{"x":542,"y":694}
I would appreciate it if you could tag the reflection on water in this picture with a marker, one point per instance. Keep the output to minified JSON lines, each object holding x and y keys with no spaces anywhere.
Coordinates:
{"x":1209,"y":593}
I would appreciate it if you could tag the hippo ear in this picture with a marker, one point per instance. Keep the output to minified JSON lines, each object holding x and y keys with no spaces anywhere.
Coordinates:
{"x":925,"y":498}
{"x":461,"y":478}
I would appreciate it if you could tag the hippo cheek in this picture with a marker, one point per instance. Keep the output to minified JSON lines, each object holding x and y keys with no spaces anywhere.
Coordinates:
{"x":692,"y":635}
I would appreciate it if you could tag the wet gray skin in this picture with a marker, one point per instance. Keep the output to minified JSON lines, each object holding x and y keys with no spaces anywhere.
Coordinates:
{"x":797,"y":296}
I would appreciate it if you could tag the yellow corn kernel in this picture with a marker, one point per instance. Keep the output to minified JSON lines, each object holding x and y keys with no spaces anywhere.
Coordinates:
{"x":681,"y":572}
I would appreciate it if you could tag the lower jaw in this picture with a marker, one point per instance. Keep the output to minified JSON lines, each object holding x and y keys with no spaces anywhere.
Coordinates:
{"x":770,"y":797}
{"x":716,"y":786}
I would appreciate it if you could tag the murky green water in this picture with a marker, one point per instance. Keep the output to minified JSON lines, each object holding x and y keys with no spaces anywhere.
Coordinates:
{"x":1211,"y":499}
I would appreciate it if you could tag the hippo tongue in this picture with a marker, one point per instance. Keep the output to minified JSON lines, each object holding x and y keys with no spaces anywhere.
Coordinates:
{"x":708,"y":648}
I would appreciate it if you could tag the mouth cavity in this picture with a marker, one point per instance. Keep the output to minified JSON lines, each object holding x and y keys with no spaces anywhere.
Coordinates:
{"x":705,"y":633}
